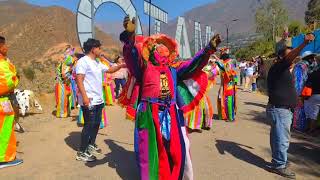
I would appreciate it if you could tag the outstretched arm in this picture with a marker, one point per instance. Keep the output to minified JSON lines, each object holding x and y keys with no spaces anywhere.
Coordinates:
{"x":295,"y":52}
{"x":188,"y":68}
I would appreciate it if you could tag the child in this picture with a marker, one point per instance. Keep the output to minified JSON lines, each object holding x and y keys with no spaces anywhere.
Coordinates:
{"x":254,"y":81}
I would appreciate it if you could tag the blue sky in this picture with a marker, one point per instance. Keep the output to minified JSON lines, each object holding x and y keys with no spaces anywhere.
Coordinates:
{"x":111,"y":13}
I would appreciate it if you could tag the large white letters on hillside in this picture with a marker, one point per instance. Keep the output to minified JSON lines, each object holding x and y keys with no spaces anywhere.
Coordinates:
{"x":86,"y":12}
{"x":182,"y":39}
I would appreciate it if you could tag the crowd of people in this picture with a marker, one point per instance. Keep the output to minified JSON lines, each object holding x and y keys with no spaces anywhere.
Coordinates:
{"x":167,"y":98}
{"x":252,"y":73}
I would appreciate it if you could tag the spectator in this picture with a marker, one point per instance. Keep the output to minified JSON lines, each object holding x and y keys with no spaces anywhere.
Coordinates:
{"x":262,"y":74}
{"x":282,"y":99}
{"x":254,"y":81}
{"x":243,"y":67}
{"x":89,"y":78}
{"x":120,"y":76}
{"x":312,"y":104}
{"x":249,"y":74}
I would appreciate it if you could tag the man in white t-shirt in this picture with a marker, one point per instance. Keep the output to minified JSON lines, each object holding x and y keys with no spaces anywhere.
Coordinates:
{"x":89,"y":72}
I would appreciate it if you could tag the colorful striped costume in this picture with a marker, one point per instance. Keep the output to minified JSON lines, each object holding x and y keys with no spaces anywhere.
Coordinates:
{"x":300,"y":73}
{"x":201,"y":116}
{"x":163,"y":90}
{"x":63,"y":91}
{"x":108,"y":88}
{"x":226,"y":102}
{"x":8,"y":81}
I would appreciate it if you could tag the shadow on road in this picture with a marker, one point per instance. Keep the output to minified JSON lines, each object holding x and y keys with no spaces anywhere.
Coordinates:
{"x":304,"y":151}
{"x":257,"y":116}
{"x":73,"y":140}
{"x":239,"y":152}
{"x":120,"y":159}
{"x":306,"y":156}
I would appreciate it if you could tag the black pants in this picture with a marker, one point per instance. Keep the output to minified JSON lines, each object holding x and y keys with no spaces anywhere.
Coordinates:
{"x":92,"y":119}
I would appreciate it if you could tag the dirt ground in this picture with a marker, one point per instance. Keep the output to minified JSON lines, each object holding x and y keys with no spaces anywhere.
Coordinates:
{"x":229,"y":151}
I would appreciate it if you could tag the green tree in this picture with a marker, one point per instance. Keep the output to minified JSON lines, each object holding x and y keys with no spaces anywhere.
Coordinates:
{"x":271,"y":15}
{"x":261,"y":47}
{"x":295,"y":28}
{"x":313,"y":12}
{"x":29,"y":73}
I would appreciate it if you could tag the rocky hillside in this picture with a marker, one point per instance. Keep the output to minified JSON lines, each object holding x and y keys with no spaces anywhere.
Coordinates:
{"x":37,"y":37}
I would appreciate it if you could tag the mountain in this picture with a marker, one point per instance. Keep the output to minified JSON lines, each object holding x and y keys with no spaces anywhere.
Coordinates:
{"x":37,"y":37}
{"x":220,"y":12}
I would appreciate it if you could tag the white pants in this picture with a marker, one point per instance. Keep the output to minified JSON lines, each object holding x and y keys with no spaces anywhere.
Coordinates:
{"x":312,"y":107}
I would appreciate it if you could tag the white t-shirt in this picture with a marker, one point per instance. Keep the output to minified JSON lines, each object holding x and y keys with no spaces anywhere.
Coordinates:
{"x":250,"y":70}
{"x":242,"y":65}
{"x":93,"y":71}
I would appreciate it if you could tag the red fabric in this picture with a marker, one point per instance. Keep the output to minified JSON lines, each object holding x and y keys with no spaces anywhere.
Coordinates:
{"x":306,"y":92}
{"x":151,"y":82}
{"x":175,"y":145}
{"x":164,"y":168}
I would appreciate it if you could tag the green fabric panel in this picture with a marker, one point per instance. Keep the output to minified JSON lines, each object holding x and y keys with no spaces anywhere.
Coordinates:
{"x":145,"y":121}
{"x":202,"y":111}
{"x":5,"y":135}
{"x":230,"y":107}
{"x":185,"y":93}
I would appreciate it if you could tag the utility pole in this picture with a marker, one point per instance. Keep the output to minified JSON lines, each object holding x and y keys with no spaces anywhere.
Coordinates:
{"x":227,"y":26}
{"x":274,"y":26}
{"x":92,"y":18}
{"x":150,"y":1}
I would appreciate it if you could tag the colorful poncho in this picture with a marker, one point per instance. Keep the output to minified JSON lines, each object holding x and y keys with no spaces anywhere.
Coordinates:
{"x":162,"y":90}
{"x":64,"y":88}
{"x":226,"y":102}
{"x":300,"y":73}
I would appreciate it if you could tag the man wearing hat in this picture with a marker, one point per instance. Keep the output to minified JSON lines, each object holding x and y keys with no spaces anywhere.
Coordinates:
{"x":300,"y":73}
{"x":282,"y":99}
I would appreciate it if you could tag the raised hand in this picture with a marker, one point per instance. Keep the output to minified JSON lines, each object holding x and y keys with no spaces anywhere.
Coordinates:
{"x":129,"y":25}
{"x":215,"y":41}
{"x":309,"y":37}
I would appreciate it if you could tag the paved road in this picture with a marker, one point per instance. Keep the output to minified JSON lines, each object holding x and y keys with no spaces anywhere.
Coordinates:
{"x":229,"y":151}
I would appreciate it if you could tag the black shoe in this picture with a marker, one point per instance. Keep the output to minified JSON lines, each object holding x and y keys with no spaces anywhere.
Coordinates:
{"x":94,"y":149}
{"x":85,"y":156}
{"x":284,"y":172}
{"x":206,"y":128}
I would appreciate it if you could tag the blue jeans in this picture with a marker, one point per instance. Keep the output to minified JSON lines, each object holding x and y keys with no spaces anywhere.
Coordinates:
{"x":92,"y":119}
{"x":119,"y":82}
{"x":254,"y":86}
{"x":281,"y":120}
{"x":242,"y":76}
